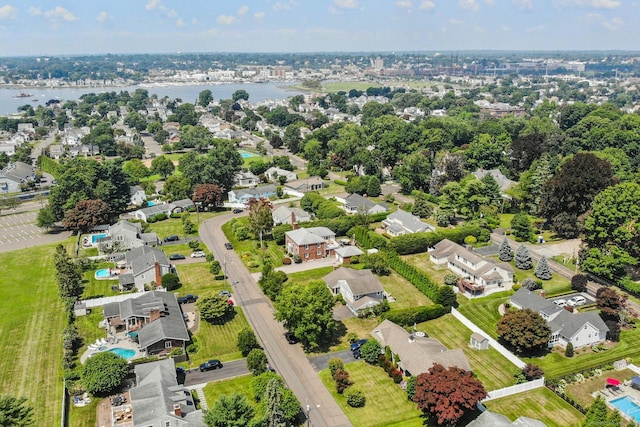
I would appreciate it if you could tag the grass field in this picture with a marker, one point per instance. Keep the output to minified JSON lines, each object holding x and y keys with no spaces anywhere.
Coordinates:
{"x":172,"y":226}
{"x":483,"y":312}
{"x":241,"y":385}
{"x":581,"y":392}
{"x":386,"y":405}
{"x":31,"y":329}
{"x":540,"y":404}
{"x":422,"y":262}
{"x":307,"y":276}
{"x":249,"y":251}
{"x":493,"y":369}
{"x":347,"y":86}
{"x":405,"y":293}
{"x":94,"y":287}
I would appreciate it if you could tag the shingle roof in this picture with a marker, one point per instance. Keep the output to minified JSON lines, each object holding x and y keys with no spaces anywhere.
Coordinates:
{"x":143,"y":258}
{"x":302,"y":236}
{"x":569,"y":324}
{"x":530,"y":299}
{"x":408,"y":220}
{"x":347,"y":251}
{"x":356,"y":201}
{"x":260,"y":191}
{"x":283,"y":214}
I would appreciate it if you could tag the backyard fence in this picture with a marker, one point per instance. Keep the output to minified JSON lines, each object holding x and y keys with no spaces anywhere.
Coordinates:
{"x":514,"y":389}
{"x":495,"y":344}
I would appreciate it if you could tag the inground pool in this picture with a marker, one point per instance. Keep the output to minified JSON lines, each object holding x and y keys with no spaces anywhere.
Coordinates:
{"x":123,"y":352}
{"x":103,"y":273}
{"x":247,"y":154}
{"x":96,"y":237}
{"x":628,"y":406}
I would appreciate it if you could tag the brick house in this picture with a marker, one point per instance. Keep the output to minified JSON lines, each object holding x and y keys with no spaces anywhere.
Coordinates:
{"x":311,"y":243}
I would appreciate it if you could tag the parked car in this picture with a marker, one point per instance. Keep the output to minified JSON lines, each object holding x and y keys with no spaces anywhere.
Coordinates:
{"x":291,"y":338}
{"x":174,"y":257}
{"x":211,"y":364}
{"x":172,"y":238}
{"x":198,"y":254}
{"x":225,"y":293}
{"x":560,"y":302}
{"x":228,"y":245}
{"x":237,"y":211}
{"x":576,"y":301}
{"x":356,"y":345}
{"x":357,"y":354}
{"x":187,"y":299}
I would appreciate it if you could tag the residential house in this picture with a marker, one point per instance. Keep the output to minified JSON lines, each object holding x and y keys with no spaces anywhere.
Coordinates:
{"x":138,"y":195}
{"x":400,"y":222}
{"x":144,"y":264}
{"x":154,"y":319}
{"x":158,"y":400}
{"x":361,"y":289}
{"x":355,"y":203}
{"x":503,"y":182}
{"x":346,"y":252}
{"x":479,"y":276}
{"x":416,"y":352}
{"x":580,"y":329}
{"x":311,"y":243}
{"x":299,"y":187}
{"x":286,"y":215}
{"x":274,"y":173}
{"x":56,"y":151}
{"x":245,"y":179}
{"x":124,"y":235}
{"x":178,"y":206}
{"x":493,"y":419}
{"x":14,"y":174}
{"x":242,"y":196}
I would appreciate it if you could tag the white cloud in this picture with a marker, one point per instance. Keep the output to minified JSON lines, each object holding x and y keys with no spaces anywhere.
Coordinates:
{"x":285,"y":5}
{"x":505,"y":28}
{"x":152,"y":4}
{"x":613,"y":24}
{"x":427,"y":5}
{"x":35,"y":11}
{"x":8,"y":12}
{"x":455,"y":21}
{"x":243,"y":10}
{"x":595,"y":4}
{"x":194,"y":21}
{"x":259,"y":15}
{"x":60,"y":13}
{"x":180,"y":23}
{"x":103,"y":17}
{"x":345,"y":4}
{"x":404,"y":4}
{"x":490,"y":2}
{"x":227,"y":20}
{"x":468,"y":4}
{"x":536,"y":29}
{"x":523,"y":4}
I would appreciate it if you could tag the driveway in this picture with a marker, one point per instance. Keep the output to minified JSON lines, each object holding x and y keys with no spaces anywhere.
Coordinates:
{"x":232,"y":369}
{"x":321,"y":362}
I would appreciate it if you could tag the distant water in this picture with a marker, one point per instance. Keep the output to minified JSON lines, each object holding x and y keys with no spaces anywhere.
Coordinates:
{"x":258,"y":92}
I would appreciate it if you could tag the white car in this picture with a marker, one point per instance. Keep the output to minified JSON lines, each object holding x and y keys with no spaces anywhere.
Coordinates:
{"x":576,"y":301}
{"x":560,"y":302}
{"x":198,"y":254}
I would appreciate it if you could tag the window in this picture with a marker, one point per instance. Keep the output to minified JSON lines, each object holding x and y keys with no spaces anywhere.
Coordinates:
{"x":318,"y":244}
{"x":142,"y":276}
{"x":167,"y":424}
{"x":319,"y":253}
{"x":306,"y":255}
{"x":168,"y":344}
{"x":306,"y":246}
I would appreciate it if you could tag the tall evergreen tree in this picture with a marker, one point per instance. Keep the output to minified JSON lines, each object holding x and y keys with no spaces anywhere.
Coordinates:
{"x":597,"y":414}
{"x":542,"y":270}
{"x":505,"y":253}
{"x":522,"y":226}
{"x":273,"y":399}
{"x":523,"y":258}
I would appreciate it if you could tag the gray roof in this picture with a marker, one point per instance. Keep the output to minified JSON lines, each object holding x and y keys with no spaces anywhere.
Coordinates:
{"x":530,"y":299}
{"x":503,"y":182}
{"x":124,"y":225}
{"x":304,"y":183}
{"x":166,"y":208}
{"x":418,"y":354}
{"x":260,"y":191}
{"x":360,"y":282}
{"x":347,"y":251}
{"x":407,"y":220}
{"x":478,"y":337}
{"x":170,"y":327}
{"x":157,"y":394}
{"x":356,"y":201}
{"x":283,"y":214}
{"x":302,"y":236}
{"x":18,"y":172}
{"x":149,"y":237}
{"x":143,"y":258}
{"x":492,"y":419}
{"x":569,"y":324}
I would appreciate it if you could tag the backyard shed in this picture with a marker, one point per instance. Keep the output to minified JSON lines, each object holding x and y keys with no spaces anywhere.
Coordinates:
{"x":478,"y":342}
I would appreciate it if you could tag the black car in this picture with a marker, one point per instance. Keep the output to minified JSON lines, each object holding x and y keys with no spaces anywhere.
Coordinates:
{"x":187,"y":299}
{"x":237,"y":211}
{"x":357,"y":354}
{"x":174,"y":257}
{"x":211,"y":364}
{"x":291,"y":338}
{"x":172,"y":238}
{"x":225,"y":293}
{"x":356,"y":345}
{"x":228,"y":245}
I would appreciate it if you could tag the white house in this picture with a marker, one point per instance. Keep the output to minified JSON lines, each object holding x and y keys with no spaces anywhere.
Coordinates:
{"x":580,"y":329}
{"x":355,"y":203}
{"x":345,"y":253}
{"x":286,"y":215}
{"x":245,"y":179}
{"x":274,"y":173}
{"x":178,"y":206}
{"x":138,"y":196}
{"x":400,"y":222}
{"x":13,"y":175}
{"x":360,"y":289}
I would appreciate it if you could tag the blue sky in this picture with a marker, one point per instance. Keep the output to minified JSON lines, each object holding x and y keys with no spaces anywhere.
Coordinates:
{"x":55,"y":27}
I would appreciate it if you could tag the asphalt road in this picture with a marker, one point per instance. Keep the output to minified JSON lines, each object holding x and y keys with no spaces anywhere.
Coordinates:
{"x":231,"y":369}
{"x":288,"y":360}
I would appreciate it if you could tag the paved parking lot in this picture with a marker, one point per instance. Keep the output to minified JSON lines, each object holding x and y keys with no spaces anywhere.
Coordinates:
{"x":589,"y":299}
{"x":18,"y":231}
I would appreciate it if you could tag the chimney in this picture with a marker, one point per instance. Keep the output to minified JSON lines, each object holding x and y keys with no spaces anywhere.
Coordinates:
{"x":177,"y":411}
{"x":154,"y":314}
{"x":294,"y":223}
{"x":158,"y":274}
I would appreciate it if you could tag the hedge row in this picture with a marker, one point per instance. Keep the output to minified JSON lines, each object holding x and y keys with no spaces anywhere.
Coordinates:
{"x":417,"y":277}
{"x":421,"y":242}
{"x":411,"y":316}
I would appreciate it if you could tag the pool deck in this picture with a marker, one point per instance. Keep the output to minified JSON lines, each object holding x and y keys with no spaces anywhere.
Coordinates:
{"x":623,"y":390}
{"x":118,"y":342}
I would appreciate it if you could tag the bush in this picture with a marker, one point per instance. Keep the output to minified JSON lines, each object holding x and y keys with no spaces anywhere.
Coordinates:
{"x":286,"y":261}
{"x":450,"y":279}
{"x":531,"y":284}
{"x":170,"y":282}
{"x":257,"y":361}
{"x":192,"y":348}
{"x":194,"y":244}
{"x":247,"y":341}
{"x":370,"y":351}
{"x":297,"y":259}
{"x":409,"y":316}
{"x":516,"y":286}
{"x":334,"y":364}
{"x":579,"y":283}
{"x":342,"y":380}
{"x":569,"y":350}
{"x":355,"y":398}
{"x":470,"y":240}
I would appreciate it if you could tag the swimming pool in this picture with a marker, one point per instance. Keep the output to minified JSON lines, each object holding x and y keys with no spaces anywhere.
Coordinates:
{"x":96,"y":237}
{"x":151,"y":203}
{"x":246,"y":154}
{"x":123,"y":352}
{"x":103,"y":273}
{"x":628,"y":406}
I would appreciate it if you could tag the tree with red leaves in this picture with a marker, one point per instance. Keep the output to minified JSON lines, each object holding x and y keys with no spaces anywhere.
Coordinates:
{"x":86,"y":215}
{"x":447,"y":393}
{"x":610,"y":302}
{"x":208,"y":195}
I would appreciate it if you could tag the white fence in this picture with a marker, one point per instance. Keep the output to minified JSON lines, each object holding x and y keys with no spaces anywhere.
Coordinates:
{"x":99,"y":302}
{"x":495,"y":344}
{"x":514,"y":389}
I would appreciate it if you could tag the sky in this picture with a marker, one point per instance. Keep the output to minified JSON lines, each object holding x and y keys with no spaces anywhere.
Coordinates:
{"x":67,"y":27}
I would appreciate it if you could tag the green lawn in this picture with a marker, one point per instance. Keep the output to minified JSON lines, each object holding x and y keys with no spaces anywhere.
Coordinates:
{"x":386,"y":405}
{"x":541,"y":404}
{"x":242,"y":385}
{"x":493,"y":369}
{"x":483,"y":311}
{"x":303,"y":277}
{"x":250,"y":251}
{"x":405,"y":293}
{"x":347,"y":86}
{"x":172,"y":226}
{"x":94,"y":287}
{"x":31,"y":329}
{"x":581,"y":392}
{"x":422,"y":262}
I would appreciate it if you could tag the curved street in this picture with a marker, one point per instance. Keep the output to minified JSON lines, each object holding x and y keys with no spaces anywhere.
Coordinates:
{"x":288,"y":360}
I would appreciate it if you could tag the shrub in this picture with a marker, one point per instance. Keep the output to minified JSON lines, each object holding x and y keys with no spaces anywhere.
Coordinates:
{"x":194,"y":244}
{"x":516,"y":286}
{"x":257,"y":361}
{"x":579,"y":283}
{"x":335,"y":364}
{"x":531,"y":284}
{"x":355,"y":398}
{"x":286,"y":261}
{"x":192,"y":348}
{"x":450,"y":279}
{"x":470,"y":240}
{"x":354,"y":260}
{"x":370,"y":351}
{"x":342,"y":380}
{"x":569,"y":350}
{"x":409,"y":316}
{"x":297,"y":259}
{"x":170,"y":282}
{"x":247,"y":341}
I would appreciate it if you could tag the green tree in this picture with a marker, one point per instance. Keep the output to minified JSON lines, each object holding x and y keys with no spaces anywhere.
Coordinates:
{"x":370,"y":351}
{"x":373,"y":187}
{"x":260,"y":217}
{"x":171,"y":282}
{"x":205,"y":98}
{"x":307,"y":311}
{"x":523,"y":258}
{"x":597,"y":414}
{"x":505,"y":253}
{"x":257,"y":361}
{"x":568,"y":352}
{"x":259,"y":384}
{"x":197,"y":137}
{"x":219,"y":166}
{"x":446,"y":297}
{"x":229,"y":410}
{"x":15,"y":412}
{"x":104,"y":372}
{"x":247,"y":341}
{"x":68,"y":274}
{"x":215,"y":309}
{"x":521,"y":225}
{"x":421,"y":207}
{"x":178,"y":187}
{"x":542,"y":270}
{"x":275,"y":416}
{"x":240,"y":94}
{"x":45,"y":219}
{"x":136,"y":169}
{"x":162,"y":166}
{"x":525,"y":330}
